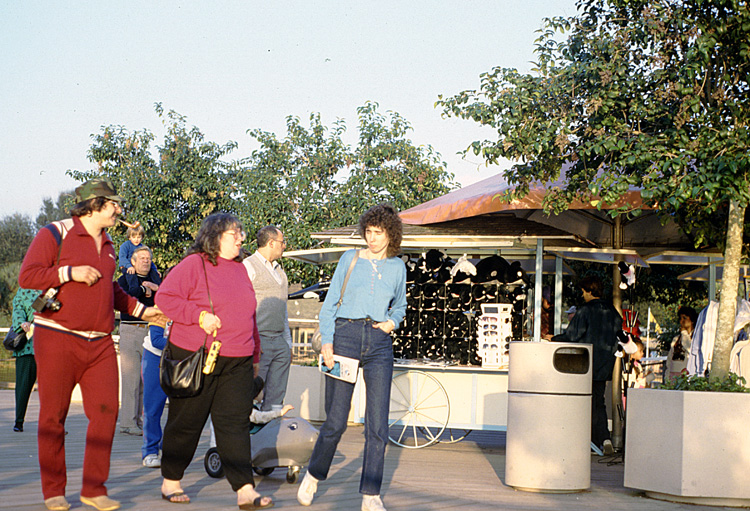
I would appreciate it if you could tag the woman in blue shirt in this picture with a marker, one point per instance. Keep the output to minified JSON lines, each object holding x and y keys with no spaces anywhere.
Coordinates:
{"x":373,"y":305}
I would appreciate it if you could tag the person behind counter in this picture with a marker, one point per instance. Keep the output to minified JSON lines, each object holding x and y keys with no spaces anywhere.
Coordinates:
{"x":373,"y":305}
{"x":596,"y":322}
{"x":677,"y":358}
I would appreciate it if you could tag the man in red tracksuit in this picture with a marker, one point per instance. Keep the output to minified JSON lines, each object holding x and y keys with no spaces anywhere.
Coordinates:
{"x":73,"y":343}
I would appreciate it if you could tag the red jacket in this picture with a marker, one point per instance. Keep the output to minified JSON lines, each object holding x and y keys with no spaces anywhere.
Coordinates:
{"x":86,"y":311}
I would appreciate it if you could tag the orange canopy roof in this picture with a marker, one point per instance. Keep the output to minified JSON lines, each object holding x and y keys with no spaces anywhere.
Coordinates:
{"x":480,"y":198}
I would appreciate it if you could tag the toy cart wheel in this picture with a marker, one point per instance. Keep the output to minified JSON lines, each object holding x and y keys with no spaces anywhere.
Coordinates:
{"x":419,"y":410}
{"x":212,"y":462}
{"x":292,"y":475}
{"x":262,"y":471}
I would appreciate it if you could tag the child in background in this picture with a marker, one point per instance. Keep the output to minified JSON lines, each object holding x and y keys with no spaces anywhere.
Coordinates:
{"x":135,"y":240}
{"x":635,"y":375}
{"x":154,"y":397}
{"x":259,"y":417}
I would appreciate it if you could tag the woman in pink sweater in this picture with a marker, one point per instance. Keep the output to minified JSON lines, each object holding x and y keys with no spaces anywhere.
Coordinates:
{"x":209,"y":292}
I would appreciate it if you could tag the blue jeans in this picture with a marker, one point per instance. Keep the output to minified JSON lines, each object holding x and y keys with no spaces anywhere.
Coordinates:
{"x":153,"y":404}
{"x":374,"y":350}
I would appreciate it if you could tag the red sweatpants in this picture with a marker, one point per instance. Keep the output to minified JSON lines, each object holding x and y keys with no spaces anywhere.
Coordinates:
{"x":62,"y":361}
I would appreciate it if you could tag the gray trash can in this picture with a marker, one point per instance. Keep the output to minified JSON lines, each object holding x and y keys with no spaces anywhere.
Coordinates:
{"x":548,"y":445}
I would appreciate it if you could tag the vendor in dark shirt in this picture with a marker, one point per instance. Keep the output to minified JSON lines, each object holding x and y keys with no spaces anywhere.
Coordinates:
{"x":596,"y":322}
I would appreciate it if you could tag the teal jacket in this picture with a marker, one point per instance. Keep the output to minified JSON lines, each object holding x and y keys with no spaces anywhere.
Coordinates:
{"x":22,"y":312}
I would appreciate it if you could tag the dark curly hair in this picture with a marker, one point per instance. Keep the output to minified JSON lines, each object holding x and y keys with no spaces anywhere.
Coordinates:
{"x":207,"y":241}
{"x":88,"y":206}
{"x":384,"y":216}
{"x":689,"y":312}
{"x":593,"y":285}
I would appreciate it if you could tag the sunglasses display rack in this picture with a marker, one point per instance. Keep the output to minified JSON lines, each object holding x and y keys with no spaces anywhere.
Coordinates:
{"x":441,"y":320}
{"x":494,"y":333}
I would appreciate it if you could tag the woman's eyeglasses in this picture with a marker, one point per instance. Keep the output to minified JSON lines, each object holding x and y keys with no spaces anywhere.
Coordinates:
{"x":238,"y":235}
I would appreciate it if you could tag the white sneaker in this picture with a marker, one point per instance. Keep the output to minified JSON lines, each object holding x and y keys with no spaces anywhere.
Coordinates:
{"x":372,"y":503}
{"x":307,"y":489}
{"x":152,"y":461}
{"x":607,"y":448}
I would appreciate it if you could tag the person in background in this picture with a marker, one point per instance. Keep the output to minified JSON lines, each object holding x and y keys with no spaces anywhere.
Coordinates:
{"x":72,"y":338}
{"x":135,"y":238}
{"x":142,"y":285}
{"x":636,"y":376}
{"x":209,"y":295}
{"x":596,"y":322}
{"x":677,"y":358}
{"x":373,"y":305}
{"x":23,"y":319}
{"x":547,"y":312}
{"x":271,"y":290}
{"x":571,"y":312}
{"x":154,"y":397}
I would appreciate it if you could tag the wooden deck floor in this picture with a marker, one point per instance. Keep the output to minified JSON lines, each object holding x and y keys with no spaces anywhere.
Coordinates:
{"x":467,"y":475}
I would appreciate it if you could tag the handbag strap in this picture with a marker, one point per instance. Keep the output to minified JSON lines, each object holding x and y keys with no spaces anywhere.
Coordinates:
{"x":346,"y":279}
{"x":208,"y":292}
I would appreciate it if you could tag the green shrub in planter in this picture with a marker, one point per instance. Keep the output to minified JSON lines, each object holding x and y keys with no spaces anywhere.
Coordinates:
{"x":732,"y":383}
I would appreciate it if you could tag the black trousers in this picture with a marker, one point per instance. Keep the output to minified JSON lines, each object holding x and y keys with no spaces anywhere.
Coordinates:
{"x":227,"y":396}
{"x":25,"y":379}
{"x":599,"y":425}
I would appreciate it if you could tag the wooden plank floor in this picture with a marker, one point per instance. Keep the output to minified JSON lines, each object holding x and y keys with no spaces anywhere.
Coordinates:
{"x":467,"y":475}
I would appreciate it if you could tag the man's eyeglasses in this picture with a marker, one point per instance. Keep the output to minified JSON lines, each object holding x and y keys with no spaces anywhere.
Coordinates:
{"x":238,"y":235}
{"x":282,"y":241}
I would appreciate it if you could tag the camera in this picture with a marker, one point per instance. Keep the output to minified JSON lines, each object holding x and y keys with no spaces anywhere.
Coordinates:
{"x":47,"y":301}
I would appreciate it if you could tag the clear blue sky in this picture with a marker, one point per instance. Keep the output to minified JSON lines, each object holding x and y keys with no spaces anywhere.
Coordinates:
{"x":229,"y":66}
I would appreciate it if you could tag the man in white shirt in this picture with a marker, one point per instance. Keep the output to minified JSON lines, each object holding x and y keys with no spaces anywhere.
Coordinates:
{"x":271,"y":290}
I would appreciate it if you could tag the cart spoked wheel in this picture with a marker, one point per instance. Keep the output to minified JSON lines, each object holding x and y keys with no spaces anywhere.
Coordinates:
{"x":212,"y":463}
{"x":419,"y":410}
{"x":453,"y":435}
{"x":292,"y":475}
{"x":262,"y":471}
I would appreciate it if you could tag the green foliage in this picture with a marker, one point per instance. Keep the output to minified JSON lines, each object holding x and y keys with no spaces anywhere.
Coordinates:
{"x":8,"y":288}
{"x":730,"y":383}
{"x":290,"y":183}
{"x":388,"y":167}
{"x":52,"y":211}
{"x":639,"y":94}
{"x":311,"y":180}
{"x":16,"y":233}
{"x":306,"y":182}
{"x":656,"y":286}
{"x":170,"y":196}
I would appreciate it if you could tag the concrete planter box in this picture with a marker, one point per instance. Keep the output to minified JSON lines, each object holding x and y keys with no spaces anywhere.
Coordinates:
{"x":689,"y":447}
{"x":306,"y":391}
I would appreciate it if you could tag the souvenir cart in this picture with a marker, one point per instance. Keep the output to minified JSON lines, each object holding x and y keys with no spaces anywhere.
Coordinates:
{"x":470,"y":288}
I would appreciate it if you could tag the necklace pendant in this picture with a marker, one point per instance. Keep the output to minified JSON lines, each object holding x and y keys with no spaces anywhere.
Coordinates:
{"x":380,"y":276}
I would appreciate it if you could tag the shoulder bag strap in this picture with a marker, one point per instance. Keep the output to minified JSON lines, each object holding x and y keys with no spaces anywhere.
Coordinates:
{"x":346,"y":279}
{"x":208,"y":292}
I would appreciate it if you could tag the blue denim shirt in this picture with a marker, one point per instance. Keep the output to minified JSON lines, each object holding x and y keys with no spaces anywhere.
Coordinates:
{"x":376,"y":292}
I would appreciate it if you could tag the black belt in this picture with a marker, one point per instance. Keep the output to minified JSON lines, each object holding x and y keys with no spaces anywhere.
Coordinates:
{"x":358,"y":320}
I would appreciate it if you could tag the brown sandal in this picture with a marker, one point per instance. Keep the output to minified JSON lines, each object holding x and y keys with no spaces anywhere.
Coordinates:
{"x":256,"y":504}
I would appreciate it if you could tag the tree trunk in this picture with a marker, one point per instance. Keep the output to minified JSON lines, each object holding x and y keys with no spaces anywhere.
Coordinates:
{"x":728,"y":295}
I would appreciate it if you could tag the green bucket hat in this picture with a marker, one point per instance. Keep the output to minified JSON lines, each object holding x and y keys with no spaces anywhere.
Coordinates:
{"x":98,"y":187}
